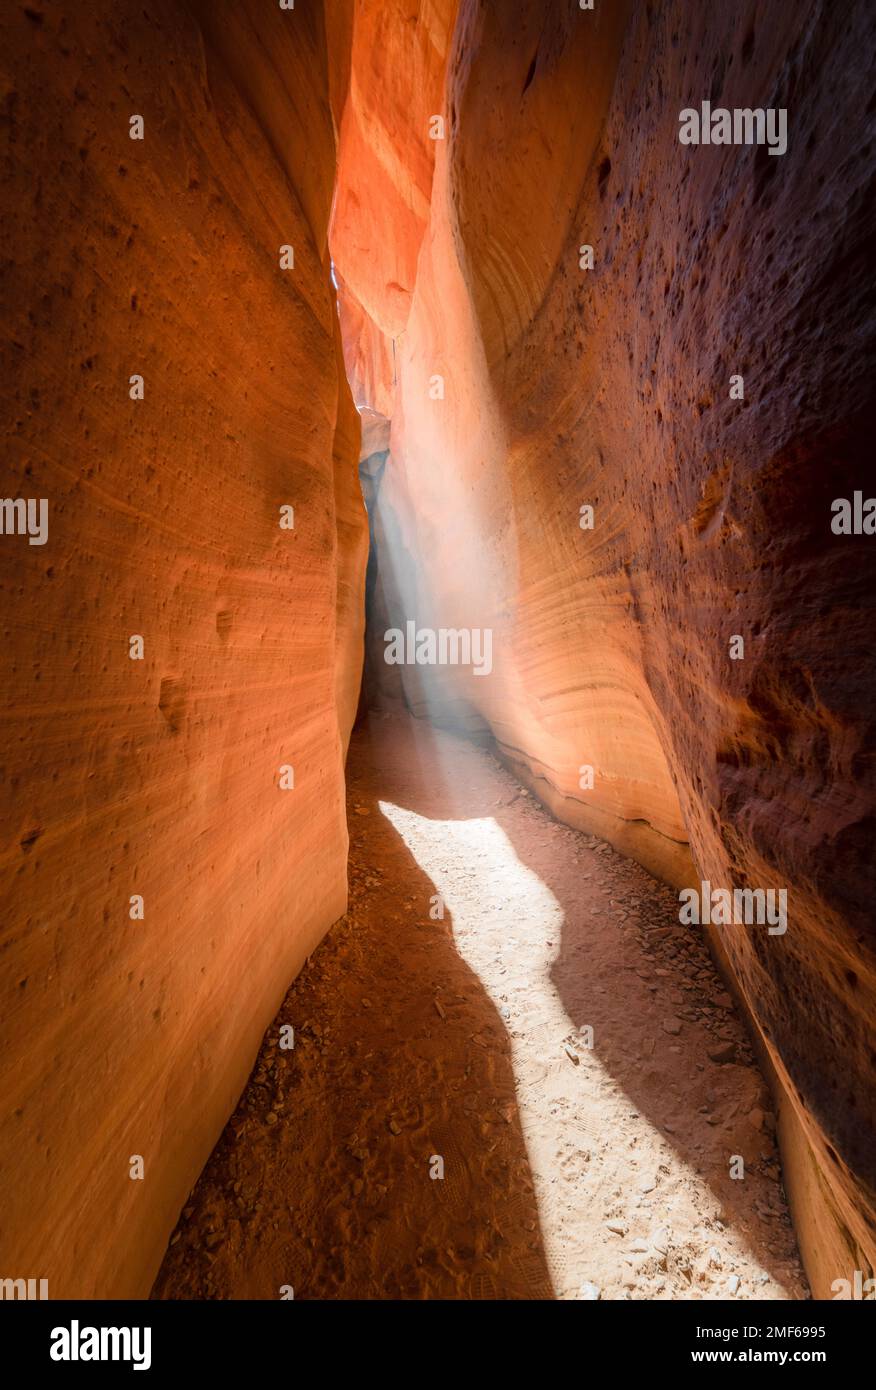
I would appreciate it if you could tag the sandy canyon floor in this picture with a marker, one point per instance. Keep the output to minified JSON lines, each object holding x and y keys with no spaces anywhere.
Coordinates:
{"x":569,"y":1171}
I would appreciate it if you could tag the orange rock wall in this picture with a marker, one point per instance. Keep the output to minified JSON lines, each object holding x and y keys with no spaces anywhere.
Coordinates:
{"x":611,"y":387}
{"x":456,"y":258}
{"x":160,"y":777}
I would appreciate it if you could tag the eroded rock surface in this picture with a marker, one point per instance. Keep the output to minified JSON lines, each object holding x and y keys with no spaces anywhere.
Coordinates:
{"x":522,"y":387}
{"x":159,"y":777}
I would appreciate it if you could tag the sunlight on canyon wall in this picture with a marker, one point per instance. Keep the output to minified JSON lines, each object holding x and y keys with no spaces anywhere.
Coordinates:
{"x":522,"y":386}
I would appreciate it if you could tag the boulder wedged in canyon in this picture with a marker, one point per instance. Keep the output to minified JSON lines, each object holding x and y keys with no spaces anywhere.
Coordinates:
{"x":523,"y":387}
{"x":160,"y":778}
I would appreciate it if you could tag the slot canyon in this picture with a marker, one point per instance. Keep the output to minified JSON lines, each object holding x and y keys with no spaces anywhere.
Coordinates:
{"x":439,"y":594}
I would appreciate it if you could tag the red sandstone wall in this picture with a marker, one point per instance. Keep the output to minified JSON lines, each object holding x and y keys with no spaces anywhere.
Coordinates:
{"x":561,"y":387}
{"x":160,"y":777}
{"x":611,"y":387}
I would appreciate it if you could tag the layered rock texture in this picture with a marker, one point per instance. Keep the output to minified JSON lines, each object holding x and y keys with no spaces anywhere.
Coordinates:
{"x":523,"y":386}
{"x":160,"y":778}
{"x":175,"y":840}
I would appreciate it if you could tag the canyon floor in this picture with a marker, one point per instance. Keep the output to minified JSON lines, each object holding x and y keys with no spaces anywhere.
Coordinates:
{"x":570,"y":1170}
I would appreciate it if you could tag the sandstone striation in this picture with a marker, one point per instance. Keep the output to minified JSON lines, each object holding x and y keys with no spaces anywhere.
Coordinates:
{"x":553,"y":451}
{"x":522,"y":387}
{"x":159,"y":778}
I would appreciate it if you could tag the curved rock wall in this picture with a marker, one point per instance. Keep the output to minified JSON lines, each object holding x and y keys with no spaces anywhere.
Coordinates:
{"x":520,"y":387}
{"x":562,"y":387}
{"x":160,"y":777}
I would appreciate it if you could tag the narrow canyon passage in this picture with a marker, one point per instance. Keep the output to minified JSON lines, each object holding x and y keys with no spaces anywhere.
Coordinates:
{"x":556,"y":1040}
{"x":438,"y":555}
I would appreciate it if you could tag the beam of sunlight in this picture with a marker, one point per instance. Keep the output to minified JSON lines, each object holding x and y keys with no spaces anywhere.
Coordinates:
{"x":507,"y":927}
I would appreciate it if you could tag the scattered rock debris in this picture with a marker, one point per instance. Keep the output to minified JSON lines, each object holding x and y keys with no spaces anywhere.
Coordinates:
{"x":607,"y":1179}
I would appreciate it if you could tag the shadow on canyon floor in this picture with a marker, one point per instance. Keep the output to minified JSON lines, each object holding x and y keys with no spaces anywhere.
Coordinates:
{"x":321,"y":1180}
{"x":567,"y":1168}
